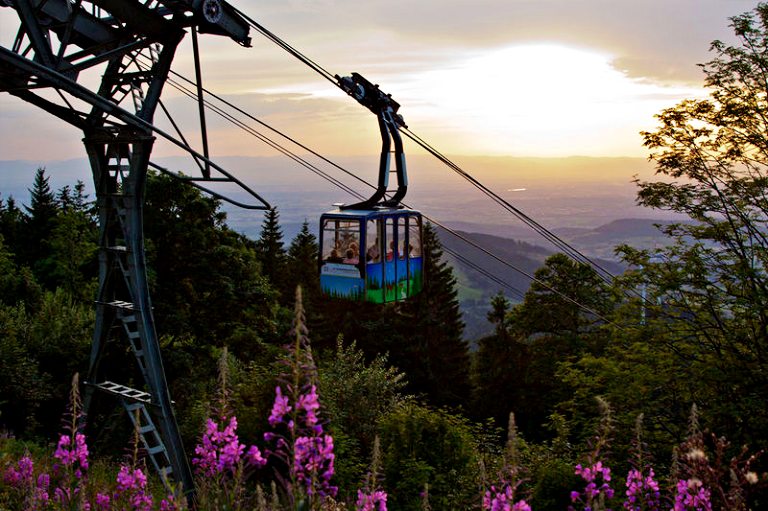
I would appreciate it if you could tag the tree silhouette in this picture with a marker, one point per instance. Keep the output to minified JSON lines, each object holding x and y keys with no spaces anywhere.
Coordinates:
{"x":302,"y":266}
{"x":437,"y":356}
{"x":272,"y":255}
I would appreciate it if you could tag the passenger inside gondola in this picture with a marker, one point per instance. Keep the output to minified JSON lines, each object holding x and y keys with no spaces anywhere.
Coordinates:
{"x":391,"y":252}
{"x":372,"y":254}
{"x":334,"y":257}
{"x":351,"y":257}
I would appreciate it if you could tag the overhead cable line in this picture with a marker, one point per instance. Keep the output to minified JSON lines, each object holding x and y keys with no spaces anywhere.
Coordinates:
{"x":287,"y":47}
{"x":526,"y":274}
{"x":516,"y":292}
{"x":253,"y":132}
{"x":287,"y":152}
{"x":274,"y":130}
{"x":573,"y":253}
{"x":562,"y":245}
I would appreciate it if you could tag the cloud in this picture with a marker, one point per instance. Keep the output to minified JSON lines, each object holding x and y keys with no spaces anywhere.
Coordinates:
{"x":656,"y":42}
{"x":658,"y":39}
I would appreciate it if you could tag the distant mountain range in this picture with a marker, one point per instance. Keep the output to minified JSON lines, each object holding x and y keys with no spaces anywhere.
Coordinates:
{"x":521,"y":258}
{"x":588,"y":202}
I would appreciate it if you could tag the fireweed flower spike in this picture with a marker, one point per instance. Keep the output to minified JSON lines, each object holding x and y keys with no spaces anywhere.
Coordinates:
{"x":220,"y":450}
{"x":376,"y":501}
{"x":132,"y":489}
{"x":642,"y":492}
{"x":21,"y":476}
{"x":75,"y":455}
{"x":279,"y":408}
{"x":71,"y":455}
{"x":691,"y":495}
{"x":597,"y":489}
{"x":503,"y":499}
{"x":300,"y":444}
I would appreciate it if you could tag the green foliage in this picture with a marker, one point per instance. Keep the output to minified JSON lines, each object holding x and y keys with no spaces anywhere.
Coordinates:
{"x":205,"y":280}
{"x":708,"y":290}
{"x":423,"y":446}
{"x":17,"y":284}
{"x":12,"y":225}
{"x":36,"y":375}
{"x":500,"y":306}
{"x":558,"y":320}
{"x":301,"y":267}
{"x":73,"y":252}
{"x":639,"y":373}
{"x":356,"y":395}
{"x":38,"y":225}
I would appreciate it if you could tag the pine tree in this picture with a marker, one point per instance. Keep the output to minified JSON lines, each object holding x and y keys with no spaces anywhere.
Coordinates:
{"x":205,"y":278}
{"x":272,"y":253}
{"x":43,"y":206}
{"x":40,"y":222}
{"x":302,"y":265}
{"x":12,"y":222}
{"x":73,"y":200}
{"x":500,"y":367}
{"x":498,"y":314}
{"x":438,"y":354}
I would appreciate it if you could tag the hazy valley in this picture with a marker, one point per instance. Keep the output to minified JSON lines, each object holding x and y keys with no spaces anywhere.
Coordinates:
{"x":588,"y":202}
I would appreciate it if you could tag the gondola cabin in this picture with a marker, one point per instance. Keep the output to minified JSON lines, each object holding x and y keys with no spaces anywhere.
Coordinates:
{"x":371,"y":255}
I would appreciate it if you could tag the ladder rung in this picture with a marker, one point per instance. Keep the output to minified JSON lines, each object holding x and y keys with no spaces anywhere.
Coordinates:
{"x":126,"y":392}
{"x":156,"y":450}
{"x":120,"y":304}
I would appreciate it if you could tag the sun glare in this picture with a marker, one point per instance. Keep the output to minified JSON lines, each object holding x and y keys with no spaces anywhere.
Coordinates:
{"x":541,"y":100}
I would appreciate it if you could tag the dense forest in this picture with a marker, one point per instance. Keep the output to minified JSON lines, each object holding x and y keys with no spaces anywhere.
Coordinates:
{"x":660,"y":372}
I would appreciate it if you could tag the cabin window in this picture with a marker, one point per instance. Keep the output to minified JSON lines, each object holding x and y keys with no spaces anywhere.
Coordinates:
{"x":414,"y":236}
{"x":373,"y":242}
{"x":341,"y":241}
{"x":390,"y":239}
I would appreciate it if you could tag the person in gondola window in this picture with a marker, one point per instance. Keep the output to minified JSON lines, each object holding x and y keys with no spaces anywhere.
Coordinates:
{"x":391,"y":252}
{"x":351,"y":257}
{"x":372,"y":254}
{"x":334,"y":257}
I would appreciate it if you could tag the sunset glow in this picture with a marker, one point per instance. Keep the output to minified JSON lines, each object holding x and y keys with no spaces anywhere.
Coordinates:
{"x":542,"y":99}
{"x":495,"y":78}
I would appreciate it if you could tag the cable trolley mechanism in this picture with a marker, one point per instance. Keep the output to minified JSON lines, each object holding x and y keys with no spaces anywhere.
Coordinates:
{"x":371,"y":250}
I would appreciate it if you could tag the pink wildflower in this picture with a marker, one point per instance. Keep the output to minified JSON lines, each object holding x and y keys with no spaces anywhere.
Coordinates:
{"x":503,"y":500}
{"x":254,"y":457}
{"x":220,"y":451}
{"x":20,"y":476}
{"x":691,"y":495}
{"x":314,"y":455}
{"x":70,"y":454}
{"x":279,"y":408}
{"x":102,"y":502}
{"x":376,"y":501}
{"x":309,"y":403}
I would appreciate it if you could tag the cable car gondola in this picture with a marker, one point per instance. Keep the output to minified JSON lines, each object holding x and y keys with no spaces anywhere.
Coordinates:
{"x":371,"y":251}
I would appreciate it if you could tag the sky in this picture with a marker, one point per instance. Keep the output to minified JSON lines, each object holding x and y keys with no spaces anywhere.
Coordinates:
{"x":540,"y":78}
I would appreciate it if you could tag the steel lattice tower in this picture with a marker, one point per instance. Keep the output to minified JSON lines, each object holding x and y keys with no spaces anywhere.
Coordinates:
{"x":134,"y":43}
